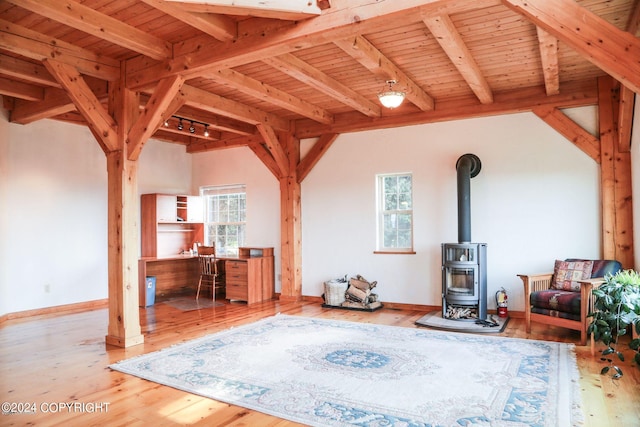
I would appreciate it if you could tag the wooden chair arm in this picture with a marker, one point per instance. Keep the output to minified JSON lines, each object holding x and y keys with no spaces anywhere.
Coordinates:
{"x":535,"y":282}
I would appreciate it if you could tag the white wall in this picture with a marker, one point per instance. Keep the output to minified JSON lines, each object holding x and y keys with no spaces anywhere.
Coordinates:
{"x":241,"y":166}
{"x":536,"y":199}
{"x":53,"y":222}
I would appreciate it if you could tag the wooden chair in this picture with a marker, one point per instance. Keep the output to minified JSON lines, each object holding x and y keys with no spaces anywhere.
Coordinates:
{"x":563,"y":298}
{"x":208,"y":270}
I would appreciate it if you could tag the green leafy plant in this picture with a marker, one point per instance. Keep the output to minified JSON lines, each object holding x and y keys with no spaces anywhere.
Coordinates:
{"x":616,"y":308}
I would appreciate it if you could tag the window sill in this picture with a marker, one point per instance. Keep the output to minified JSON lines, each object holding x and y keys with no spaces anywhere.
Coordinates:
{"x":394,"y":252}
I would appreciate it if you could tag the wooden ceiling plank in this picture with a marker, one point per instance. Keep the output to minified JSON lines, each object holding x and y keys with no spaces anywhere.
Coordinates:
{"x":300,"y":70}
{"x":218,"y":26}
{"x":611,"y":49}
{"x":211,"y":102}
{"x":101,"y":123}
{"x":21,"y":90}
{"x":275,"y":148}
{"x":31,"y":44}
{"x":314,"y":155}
{"x":25,"y":70}
{"x":370,"y":57}
{"x":160,"y":107}
{"x":272,"y":95}
{"x":582,"y":139}
{"x":634,"y":18}
{"x":333,"y":24}
{"x":83,"y":18}
{"x":549,"y":57}
{"x":445,"y":32}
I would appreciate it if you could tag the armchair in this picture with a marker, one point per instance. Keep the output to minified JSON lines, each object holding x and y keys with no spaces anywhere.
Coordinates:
{"x":563,"y":298}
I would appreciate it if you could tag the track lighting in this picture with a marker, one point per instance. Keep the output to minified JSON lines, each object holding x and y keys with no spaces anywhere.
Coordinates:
{"x":192,"y":126}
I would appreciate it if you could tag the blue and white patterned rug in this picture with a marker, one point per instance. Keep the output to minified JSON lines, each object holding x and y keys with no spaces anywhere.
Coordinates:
{"x":335,"y":373}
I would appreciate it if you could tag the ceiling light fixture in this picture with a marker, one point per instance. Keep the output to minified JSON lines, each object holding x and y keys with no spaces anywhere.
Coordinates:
{"x":180,"y":127}
{"x":206,"y":130}
{"x":192,"y":128}
{"x":391,"y":98}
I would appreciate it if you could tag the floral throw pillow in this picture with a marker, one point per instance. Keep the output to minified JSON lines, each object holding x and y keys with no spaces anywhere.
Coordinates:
{"x":567,"y":273}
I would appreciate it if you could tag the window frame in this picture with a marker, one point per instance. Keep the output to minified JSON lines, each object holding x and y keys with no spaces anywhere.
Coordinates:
{"x":223,"y":190}
{"x":381,"y":213}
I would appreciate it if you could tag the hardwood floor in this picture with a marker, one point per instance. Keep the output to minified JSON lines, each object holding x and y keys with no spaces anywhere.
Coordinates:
{"x":51,"y":360}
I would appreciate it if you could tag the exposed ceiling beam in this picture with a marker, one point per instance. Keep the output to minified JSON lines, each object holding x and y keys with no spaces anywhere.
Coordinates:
{"x":555,"y":118}
{"x":265,"y":156}
{"x":34,"y":45}
{"x":83,"y":18}
{"x":298,"y":69}
{"x":277,"y":9}
{"x":549,"y":56}
{"x":333,"y":24}
{"x":159,"y":108}
{"x":225,"y":107}
{"x":56,"y":102}
{"x":313,"y":156}
{"x":218,"y":26}
{"x":451,"y":42}
{"x":238,"y":141}
{"x":272,"y":95}
{"x":613,"y":50}
{"x":371,"y":58}
{"x":272,"y":143}
{"x":571,"y":95}
{"x":20,"y":90}
{"x":223,"y":124}
{"x":28,"y":71}
{"x":102,"y":125}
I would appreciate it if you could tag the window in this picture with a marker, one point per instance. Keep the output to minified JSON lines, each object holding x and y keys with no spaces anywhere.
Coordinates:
{"x":395,"y":213}
{"x":225,"y":216}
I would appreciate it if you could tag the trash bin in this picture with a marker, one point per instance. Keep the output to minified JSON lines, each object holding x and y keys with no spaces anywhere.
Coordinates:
{"x":151,"y":291}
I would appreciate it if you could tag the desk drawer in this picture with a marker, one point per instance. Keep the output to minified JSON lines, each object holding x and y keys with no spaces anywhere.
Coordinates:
{"x":236,"y":273}
{"x":237,"y":291}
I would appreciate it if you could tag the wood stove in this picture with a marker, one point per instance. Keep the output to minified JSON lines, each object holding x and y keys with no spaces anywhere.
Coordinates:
{"x":464,"y":264}
{"x":464,"y":281}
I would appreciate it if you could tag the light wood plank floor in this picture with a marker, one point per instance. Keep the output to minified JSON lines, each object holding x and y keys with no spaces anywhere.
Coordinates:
{"x":54,"y":359}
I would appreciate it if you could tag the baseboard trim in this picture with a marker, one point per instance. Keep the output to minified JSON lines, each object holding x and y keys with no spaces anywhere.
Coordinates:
{"x":58,"y":309}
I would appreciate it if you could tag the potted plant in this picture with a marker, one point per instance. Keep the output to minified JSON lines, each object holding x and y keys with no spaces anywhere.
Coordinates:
{"x":616,"y":308}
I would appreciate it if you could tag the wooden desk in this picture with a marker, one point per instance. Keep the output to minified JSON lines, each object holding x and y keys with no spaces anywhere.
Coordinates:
{"x":249,"y":276}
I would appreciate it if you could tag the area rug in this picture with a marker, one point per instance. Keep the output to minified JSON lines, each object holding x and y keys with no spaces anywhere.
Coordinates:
{"x":322,"y":372}
{"x":435,"y":320}
{"x":189,"y":303}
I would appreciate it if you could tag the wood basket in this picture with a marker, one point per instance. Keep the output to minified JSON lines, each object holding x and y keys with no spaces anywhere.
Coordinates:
{"x":334,"y":292}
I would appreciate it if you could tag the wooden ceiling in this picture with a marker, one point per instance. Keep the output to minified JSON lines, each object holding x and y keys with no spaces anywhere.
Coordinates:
{"x":251,"y":72}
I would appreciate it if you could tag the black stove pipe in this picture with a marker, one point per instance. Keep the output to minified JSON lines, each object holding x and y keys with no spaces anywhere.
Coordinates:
{"x":467,"y":166}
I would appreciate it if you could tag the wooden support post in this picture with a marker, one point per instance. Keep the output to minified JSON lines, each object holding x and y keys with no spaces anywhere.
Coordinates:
{"x":124,"y":318}
{"x":123,"y":225}
{"x":290,"y":224}
{"x":615,"y":182}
